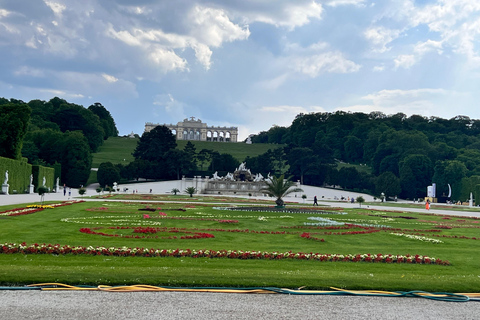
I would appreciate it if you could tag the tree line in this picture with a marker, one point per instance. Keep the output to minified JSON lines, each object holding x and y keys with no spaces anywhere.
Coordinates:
{"x":405,"y":154}
{"x":55,"y":131}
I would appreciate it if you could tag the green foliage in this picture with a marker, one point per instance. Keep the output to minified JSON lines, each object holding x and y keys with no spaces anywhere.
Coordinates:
{"x":190,"y":191}
{"x":76,"y":159}
{"x":360,"y":200}
{"x":279,"y":187}
{"x":18,"y":174}
{"x":107,"y":174}
{"x":388,"y":184}
{"x":82,"y":191}
{"x":153,"y":145}
{"x":14,"y":118}
{"x":175,"y":191}
{"x":106,"y":120}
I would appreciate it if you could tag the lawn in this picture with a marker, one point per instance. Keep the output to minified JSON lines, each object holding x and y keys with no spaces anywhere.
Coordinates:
{"x":189,"y":226}
{"x":120,"y":149}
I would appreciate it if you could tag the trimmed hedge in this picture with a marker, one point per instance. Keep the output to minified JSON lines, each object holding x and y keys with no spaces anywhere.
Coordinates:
{"x":39,"y":172}
{"x":19,"y":172}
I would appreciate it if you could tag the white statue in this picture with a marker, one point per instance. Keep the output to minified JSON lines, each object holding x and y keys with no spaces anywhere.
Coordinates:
{"x":258,"y":177}
{"x":6,"y":177}
{"x":269,"y":177}
{"x":229,"y":176}
{"x":44,"y":181}
{"x":215,"y":176}
{"x":241,"y":167}
{"x":31,"y":179}
{"x":58,"y":181}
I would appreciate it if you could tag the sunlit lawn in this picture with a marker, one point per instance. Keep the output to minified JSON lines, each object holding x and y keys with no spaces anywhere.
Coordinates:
{"x":61,"y":226}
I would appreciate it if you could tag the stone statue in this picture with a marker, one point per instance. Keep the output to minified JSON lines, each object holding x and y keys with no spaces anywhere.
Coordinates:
{"x":258,"y":177}
{"x":229,"y":177}
{"x":44,"y":181}
{"x":241,"y":167}
{"x":215,"y":176}
{"x":31,"y":179}
{"x":6,"y":177}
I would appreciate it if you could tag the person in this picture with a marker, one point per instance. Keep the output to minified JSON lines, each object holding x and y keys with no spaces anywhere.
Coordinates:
{"x":315,"y":203}
{"x":427,"y":204}
{"x":64,"y":190}
{"x":352,"y":200}
{"x":69,"y":192}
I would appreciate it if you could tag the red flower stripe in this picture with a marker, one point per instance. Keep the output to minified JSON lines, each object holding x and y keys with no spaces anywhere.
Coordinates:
{"x":10,"y":248}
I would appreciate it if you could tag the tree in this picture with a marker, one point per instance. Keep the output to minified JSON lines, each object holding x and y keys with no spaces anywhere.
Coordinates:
{"x":107,"y":174}
{"x":191,"y":151}
{"x":153,"y":145}
{"x":179,"y":162}
{"x":360,"y":200}
{"x":204,"y":156}
{"x":76,"y":159}
{"x":416,"y":173}
{"x":190,"y":191}
{"x":279,"y":187}
{"x":106,"y":120}
{"x":175,"y":191}
{"x":14,"y":119}
{"x":300,"y":161}
{"x":388,"y":184}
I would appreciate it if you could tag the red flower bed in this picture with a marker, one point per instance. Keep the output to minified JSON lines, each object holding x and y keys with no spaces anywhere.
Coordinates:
{"x":149,"y":230}
{"x":11,"y":248}
{"x":307,"y":235}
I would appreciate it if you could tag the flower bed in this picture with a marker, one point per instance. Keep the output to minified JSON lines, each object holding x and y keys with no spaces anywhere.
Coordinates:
{"x":148,"y":230}
{"x":11,"y":248}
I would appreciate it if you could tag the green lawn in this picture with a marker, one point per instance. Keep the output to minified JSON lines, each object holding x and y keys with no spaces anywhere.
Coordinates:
{"x":120,"y":149}
{"x":252,"y":232}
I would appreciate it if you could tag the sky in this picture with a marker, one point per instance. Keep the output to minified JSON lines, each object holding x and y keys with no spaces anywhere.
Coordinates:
{"x":246,"y":63}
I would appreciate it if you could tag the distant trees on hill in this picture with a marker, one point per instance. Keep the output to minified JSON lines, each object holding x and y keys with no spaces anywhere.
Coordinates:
{"x":417,"y":150}
{"x":55,"y":131}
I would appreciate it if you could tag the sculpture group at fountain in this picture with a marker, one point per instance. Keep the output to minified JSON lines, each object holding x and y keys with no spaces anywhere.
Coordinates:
{"x":241,"y":181}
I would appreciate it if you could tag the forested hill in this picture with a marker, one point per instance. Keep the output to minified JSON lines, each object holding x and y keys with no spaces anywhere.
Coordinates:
{"x":406,"y":154}
{"x":55,"y":131}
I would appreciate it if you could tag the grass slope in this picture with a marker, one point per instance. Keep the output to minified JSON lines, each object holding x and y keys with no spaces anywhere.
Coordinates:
{"x":120,"y":149}
{"x":61,"y":225}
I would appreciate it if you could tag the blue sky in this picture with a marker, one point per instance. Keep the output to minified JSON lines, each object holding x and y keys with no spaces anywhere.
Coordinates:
{"x":247,"y":63}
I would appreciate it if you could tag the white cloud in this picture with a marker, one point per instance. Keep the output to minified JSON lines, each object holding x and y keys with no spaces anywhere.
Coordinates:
{"x":331,"y":62}
{"x":167,"y":104}
{"x":212,"y":27}
{"x":109,"y":78}
{"x":380,"y":37}
{"x":405,"y":61}
{"x":428,"y":102}
{"x":56,"y":7}
{"x":289,"y":14}
{"x":335,"y":3}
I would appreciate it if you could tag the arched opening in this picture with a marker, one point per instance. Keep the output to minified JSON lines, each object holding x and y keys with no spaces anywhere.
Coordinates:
{"x":197,"y":135}
{"x":185,"y":135}
{"x":209,"y":135}
{"x":221,"y":137}
{"x":190,"y":135}
{"x":215,"y":136}
{"x":227,"y":136}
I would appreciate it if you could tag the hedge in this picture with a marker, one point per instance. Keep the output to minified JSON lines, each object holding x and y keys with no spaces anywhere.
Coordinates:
{"x":19,"y":172}
{"x":39,"y":172}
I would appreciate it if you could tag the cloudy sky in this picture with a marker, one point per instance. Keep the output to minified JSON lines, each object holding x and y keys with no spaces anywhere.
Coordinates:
{"x":245,"y":63}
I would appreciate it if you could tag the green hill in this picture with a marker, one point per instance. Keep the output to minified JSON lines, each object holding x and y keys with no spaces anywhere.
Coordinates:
{"x":120,"y":149}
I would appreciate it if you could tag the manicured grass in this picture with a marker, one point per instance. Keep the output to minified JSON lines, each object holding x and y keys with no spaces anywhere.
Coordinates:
{"x":120,"y":149}
{"x":61,"y":225}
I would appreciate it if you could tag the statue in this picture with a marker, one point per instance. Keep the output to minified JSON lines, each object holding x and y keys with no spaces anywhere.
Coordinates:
{"x":215,"y":176}
{"x":241,"y":167}
{"x":229,"y":177}
{"x":44,"y":181}
{"x":6,"y":177}
{"x":258,"y":178}
{"x":31,"y":179}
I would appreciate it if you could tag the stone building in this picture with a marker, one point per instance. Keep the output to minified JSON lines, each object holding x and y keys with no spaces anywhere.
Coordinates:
{"x":195,"y":129}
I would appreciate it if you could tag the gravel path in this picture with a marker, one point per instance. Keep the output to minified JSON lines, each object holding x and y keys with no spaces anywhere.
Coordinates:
{"x":180,"y":305}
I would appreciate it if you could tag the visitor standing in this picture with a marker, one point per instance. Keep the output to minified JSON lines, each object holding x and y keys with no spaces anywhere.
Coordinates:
{"x":315,"y":202}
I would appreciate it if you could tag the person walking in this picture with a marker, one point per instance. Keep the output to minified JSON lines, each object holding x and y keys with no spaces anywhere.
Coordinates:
{"x":315,"y":202}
